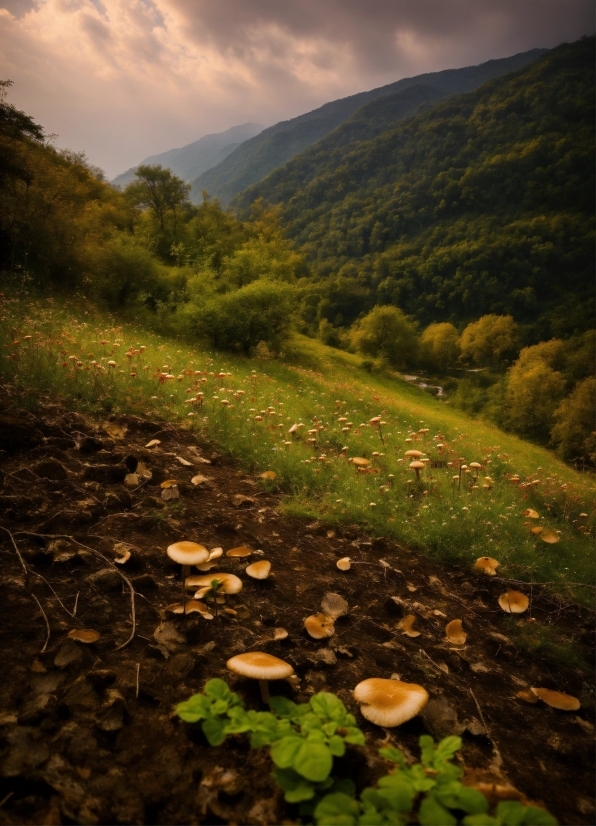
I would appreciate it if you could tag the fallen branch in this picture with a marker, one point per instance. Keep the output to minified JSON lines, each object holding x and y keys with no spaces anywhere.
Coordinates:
{"x":70,"y":613}
{"x":44,"y":615}
{"x":18,"y":553}
{"x":105,"y":559}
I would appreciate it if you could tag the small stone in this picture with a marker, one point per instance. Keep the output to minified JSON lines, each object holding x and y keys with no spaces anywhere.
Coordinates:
{"x":106,"y":580}
{"x":440,"y":718}
{"x":240,"y":501}
{"x":68,"y":653}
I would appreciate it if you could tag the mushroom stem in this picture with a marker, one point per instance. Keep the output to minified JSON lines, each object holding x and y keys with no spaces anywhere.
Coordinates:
{"x":381,"y":435}
{"x":264,"y":686}
{"x":417,"y":475}
{"x":185,"y":574}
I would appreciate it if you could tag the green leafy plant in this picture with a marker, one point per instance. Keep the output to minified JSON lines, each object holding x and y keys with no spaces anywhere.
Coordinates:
{"x":303,"y":739}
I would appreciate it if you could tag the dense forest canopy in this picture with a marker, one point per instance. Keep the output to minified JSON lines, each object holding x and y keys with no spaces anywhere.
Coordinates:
{"x":484,"y":204}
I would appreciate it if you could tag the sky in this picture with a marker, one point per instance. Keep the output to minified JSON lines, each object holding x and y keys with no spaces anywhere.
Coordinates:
{"x":124,"y":79}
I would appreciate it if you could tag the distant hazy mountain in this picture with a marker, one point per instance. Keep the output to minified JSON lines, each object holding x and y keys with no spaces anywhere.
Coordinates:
{"x":258,"y":156}
{"x":192,"y":160}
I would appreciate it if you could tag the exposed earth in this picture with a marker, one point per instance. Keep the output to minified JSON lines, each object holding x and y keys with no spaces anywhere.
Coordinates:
{"x":87,"y":733}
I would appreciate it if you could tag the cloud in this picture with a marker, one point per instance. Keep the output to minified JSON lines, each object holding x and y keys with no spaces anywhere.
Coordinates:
{"x":123,"y":79}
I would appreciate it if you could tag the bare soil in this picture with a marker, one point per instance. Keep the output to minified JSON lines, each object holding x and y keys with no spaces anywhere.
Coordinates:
{"x":87,"y":733}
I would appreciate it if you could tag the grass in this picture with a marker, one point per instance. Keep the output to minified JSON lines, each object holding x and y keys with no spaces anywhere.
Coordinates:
{"x":246,"y":407}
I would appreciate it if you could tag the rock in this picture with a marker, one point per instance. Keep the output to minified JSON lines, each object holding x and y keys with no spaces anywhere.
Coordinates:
{"x":68,"y":653}
{"x":89,"y":444}
{"x":440,"y":718}
{"x":117,"y":501}
{"x":238,"y":500}
{"x":106,"y":580}
{"x":101,"y":678}
{"x":334,"y":605}
{"x":168,"y":638}
{"x":110,"y":474}
{"x":144,"y":582}
{"x":51,"y":469}
{"x":322,"y":657}
{"x":27,"y":751}
{"x":112,"y":719}
{"x":36,"y":708}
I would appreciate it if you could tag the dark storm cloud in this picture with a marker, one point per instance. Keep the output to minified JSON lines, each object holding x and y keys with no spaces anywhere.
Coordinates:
{"x":385,"y":33}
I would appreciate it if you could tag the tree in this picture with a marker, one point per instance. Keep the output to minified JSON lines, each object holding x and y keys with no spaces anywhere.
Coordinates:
{"x":574,"y":432}
{"x":533,"y":391}
{"x":158,"y":189}
{"x":440,"y":345}
{"x":489,"y":340}
{"x":388,"y":332}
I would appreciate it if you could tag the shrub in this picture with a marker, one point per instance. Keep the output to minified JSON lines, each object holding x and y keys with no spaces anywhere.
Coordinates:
{"x":389,"y":333}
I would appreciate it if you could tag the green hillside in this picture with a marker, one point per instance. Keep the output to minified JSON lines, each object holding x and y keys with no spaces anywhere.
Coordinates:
{"x":484,"y":204}
{"x":256,"y":158}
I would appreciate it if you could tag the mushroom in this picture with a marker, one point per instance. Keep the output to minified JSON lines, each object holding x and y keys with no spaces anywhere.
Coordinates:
{"x":550,"y":536}
{"x":344,"y":564}
{"x":556,"y":699}
{"x":414,"y":454}
{"x":258,"y":570}
{"x":514,"y":602}
{"x":192,"y":606}
{"x":359,"y":461}
{"x":389,"y":702}
{"x":487,"y":565}
{"x":407,"y":626}
{"x":527,"y":696}
{"x":319,"y":626}
{"x":262,"y":667}
{"x":239,"y":552}
{"x":187,"y":554}
{"x":530,"y":513}
{"x":84,"y":635}
{"x":417,"y":466}
{"x":454,"y":633}
{"x":230,"y":584}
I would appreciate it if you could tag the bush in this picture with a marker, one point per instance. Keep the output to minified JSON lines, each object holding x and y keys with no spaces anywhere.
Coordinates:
{"x":575,"y":430}
{"x":240,"y":320}
{"x":123,"y":270}
{"x":389,"y":333}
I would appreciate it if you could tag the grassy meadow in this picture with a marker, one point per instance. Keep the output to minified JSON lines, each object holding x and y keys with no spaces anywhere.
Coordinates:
{"x":246,"y":407}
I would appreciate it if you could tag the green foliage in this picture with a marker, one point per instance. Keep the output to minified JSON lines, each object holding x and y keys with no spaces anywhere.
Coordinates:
{"x":303,"y":740}
{"x":489,"y":340}
{"x":574,"y":432}
{"x":241,"y":319}
{"x":389,"y":333}
{"x":124,"y":270}
{"x":481,"y":205}
{"x":439,"y":345}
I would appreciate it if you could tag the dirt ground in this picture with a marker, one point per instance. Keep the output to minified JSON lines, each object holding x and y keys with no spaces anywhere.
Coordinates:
{"x":87,"y":733}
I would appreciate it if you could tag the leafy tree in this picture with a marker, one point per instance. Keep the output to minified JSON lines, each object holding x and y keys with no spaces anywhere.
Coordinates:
{"x":574,"y":432}
{"x":532,"y":394}
{"x":388,"y":332}
{"x":489,"y":340}
{"x":160,"y":190}
{"x":240,"y":320}
{"x":440,"y":345}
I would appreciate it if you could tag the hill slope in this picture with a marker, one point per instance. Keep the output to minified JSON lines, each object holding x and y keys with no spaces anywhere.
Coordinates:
{"x":483,"y":204}
{"x":277,"y":144}
{"x":197,"y":157}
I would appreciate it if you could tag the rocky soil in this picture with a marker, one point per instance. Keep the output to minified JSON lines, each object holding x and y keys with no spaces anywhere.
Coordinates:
{"x":87,"y":733}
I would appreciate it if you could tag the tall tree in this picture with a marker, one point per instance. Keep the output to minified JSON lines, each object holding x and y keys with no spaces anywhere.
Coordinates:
{"x":160,"y":190}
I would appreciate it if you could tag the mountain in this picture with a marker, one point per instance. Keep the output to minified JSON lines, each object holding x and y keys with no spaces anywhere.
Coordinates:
{"x":192,"y":160}
{"x":274,"y":146}
{"x":482,"y":204}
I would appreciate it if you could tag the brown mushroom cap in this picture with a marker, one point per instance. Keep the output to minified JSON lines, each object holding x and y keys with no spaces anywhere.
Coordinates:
{"x":259,"y":666}
{"x":188,"y":553}
{"x":319,"y":626}
{"x":230,"y":584}
{"x":550,"y":536}
{"x":407,"y":626}
{"x":84,"y":635}
{"x":487,"y":565}
{"x":556,"y":699}
{"x":514,"y":602}
{"x":344,"y":564}
{"x":389,"y":702}
{"x":454,"y":633}
{"x":527,"y":696}
{"x":416,"y":465}
{"x":193,"y":606}
{"x":259,"y":570}
{"x":414,"y":454}
{"x":359,"y":461}
{"x":531,"y":513}
{"x":239,"y":552}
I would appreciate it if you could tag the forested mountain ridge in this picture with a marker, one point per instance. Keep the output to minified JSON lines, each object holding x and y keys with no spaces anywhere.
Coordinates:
{"x":482,"y":204}
{"x":197,"y":157}
{"x":274,"y":146}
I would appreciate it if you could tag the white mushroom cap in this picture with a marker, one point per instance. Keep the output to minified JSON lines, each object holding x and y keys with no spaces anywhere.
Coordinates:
{"x":259,"y":666}
{"x":188,"y":553}
{"x":230,"y":584}
{"x":389,"y":702}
